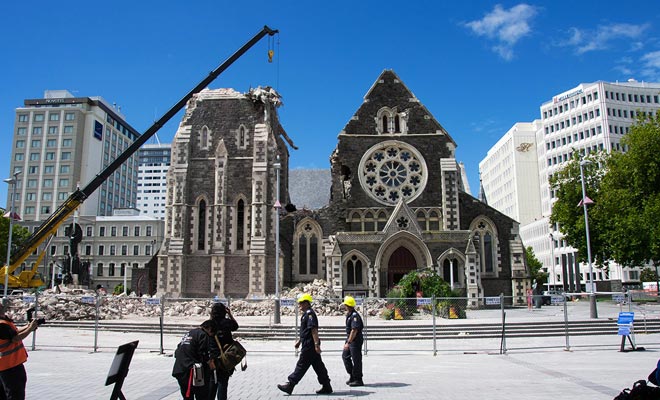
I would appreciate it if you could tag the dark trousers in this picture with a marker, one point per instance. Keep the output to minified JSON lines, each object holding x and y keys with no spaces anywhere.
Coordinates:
{"x":13,"y":382}
{"x":220,"y":387}
{"x":353,"y":360}
{"x":310,"y":357}
{"x":196,"y":392}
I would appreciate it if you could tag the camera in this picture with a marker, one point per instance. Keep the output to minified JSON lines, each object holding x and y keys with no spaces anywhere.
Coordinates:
{"x":30,"y":312}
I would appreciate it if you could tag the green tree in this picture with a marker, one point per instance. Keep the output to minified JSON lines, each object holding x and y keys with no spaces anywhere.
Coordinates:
{"x":568,"y":213}
{"x":18,"y":237}
{"x":648,"y":275}
{"x":631,"y":196}
{"x":535,"y":268}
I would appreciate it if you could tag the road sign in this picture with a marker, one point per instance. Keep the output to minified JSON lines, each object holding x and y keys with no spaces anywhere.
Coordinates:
{"x":618,"y":297}
{"x":626,"y":318}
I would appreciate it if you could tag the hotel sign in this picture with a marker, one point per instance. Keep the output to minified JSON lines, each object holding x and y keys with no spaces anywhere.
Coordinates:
{"x":568,"y":95}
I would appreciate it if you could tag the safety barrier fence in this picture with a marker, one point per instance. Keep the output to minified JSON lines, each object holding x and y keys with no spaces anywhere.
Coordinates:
{"x":493,"y":324}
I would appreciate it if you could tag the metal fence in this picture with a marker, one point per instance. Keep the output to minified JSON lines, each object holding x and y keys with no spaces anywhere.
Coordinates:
{"x":493,"y":324}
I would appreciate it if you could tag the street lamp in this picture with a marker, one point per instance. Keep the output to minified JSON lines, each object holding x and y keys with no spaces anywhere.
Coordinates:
{"x":11,"y":181}
{"x":277,"y":206}
{"x":552,"y":252}
{"x":585,"y":200}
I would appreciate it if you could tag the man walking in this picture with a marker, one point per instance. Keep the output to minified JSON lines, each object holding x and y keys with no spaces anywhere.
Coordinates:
{"x":191,"y":365}
{"x":352,"y":354}
{"x":13,"y":355}
{"x":310,"y":353}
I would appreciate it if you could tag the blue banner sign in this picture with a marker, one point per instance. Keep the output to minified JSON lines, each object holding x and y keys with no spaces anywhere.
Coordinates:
{"x":152,"y":302}
{"x":493,"y":301}
{"x":626,"y":318}
{"x":88,"y":299}
{"x":423,"y":301}
{"x":28,"y":299}
{"x":286,"y":302}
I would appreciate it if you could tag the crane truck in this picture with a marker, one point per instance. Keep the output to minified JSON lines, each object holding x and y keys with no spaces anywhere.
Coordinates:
{"x":30,"y":278}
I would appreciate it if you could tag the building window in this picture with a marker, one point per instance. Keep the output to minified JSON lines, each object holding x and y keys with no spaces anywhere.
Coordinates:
{"x":354,"y":271}
{"x":66,"y":155}
{"x":64,"y":169}
{"x":136,"y":250}
{"x":308,"y":244}
{"x":122,"y":269}
{"x":148,"y":230}
{"x":113,"y":231}
{"x":136,"y":231}
{"x":38,"y":118}
{"x":68,"y":128}
{"x":53,"y":117}
{"x":88,"y":249}
{"x":101,"y":250}
{"x":37,"y":130}
{"x":69,"y":116}
{"x":112,"y":250}
{"x":201,"y":227}
{"x":22,"y":118}
{"x":111,"y":269}
{"x":89,"y":231}
{"x":102,"y":231}
{"x":99,"y":269}
{"x":124,"y":231}
{"x":21,"y":131}
{"x":240,"y":225}
{"x":66,"y":142}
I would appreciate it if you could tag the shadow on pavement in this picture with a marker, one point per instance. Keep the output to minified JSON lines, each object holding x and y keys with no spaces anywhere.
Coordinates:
{"x":386,"y":384}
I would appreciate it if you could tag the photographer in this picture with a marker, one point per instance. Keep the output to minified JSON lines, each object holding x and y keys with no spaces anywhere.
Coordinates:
{"x":12,"y":356}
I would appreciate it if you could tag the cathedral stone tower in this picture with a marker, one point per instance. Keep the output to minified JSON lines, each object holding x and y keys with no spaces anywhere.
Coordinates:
{"x":219,"y":227}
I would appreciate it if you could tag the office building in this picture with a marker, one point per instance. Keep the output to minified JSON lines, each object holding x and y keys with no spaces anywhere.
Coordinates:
{"x":153,"y":163}
{"x":509,"y":171}
{"x":62,"y":142}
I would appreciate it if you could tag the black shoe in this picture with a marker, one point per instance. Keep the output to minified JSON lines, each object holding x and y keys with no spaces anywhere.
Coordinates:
{"x":287,"y":387}
{"x":348,"y":382}
{"x":356,"y":383}
{"x":325,"y":389}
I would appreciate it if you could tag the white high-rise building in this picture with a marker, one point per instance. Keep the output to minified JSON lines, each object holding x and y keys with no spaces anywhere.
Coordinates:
{"x":586,"y":118}
{"x":509,"y":171}
{"x":61,"y":142}
{"x":154,"y":161}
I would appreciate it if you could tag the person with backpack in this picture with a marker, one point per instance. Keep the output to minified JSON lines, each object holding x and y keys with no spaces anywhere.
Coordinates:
{"x":225,"y":324}
{"x":192,"y":358}
{"x":310,"y":353}
{"x":352,"y":353}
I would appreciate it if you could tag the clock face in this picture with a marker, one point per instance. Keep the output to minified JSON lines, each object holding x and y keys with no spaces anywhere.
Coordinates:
{"x":391,"y":171}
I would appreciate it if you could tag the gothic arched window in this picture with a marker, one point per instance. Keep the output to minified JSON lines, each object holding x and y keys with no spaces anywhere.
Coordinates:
{"x":201,"y":227}
{"x":308,"y":248}
{"x":240,"y":225}
{"x":354,"y":271}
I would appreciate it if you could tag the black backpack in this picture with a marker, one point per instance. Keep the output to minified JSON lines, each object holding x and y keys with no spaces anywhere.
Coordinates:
{"x":640,"y":391}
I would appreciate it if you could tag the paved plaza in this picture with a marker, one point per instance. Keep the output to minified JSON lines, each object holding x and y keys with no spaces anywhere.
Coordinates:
{"x":532,"y":368}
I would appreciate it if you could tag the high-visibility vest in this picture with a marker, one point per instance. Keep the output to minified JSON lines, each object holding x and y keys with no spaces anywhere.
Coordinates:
{"x":11,"y":353}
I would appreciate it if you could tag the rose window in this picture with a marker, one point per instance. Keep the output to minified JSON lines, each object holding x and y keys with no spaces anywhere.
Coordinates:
{"x":391,"y":171}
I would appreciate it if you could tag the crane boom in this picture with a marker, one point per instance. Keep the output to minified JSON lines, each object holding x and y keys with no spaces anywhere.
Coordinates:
{"x":51,"y":224}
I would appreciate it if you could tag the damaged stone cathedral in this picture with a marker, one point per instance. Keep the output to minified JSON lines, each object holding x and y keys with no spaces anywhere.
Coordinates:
{"x":397,"y":204}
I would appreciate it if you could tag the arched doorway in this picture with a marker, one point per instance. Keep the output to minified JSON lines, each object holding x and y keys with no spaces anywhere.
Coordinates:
{"x":400,"y":263}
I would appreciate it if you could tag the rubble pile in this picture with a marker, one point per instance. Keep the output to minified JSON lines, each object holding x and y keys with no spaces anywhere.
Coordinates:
{"x":80,"y":304}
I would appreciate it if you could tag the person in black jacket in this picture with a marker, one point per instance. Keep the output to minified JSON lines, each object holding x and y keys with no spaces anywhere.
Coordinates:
{"x":225,"y":324}
{"x":310,"y":353}
{"x":352,"y":352}
{"x":194,"y":348}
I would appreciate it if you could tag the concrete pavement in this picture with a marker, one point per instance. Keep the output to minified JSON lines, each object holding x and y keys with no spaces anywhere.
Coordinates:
{"x":63,"y":366}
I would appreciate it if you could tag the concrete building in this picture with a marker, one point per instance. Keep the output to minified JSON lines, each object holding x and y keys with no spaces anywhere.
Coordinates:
{"x":509,"y":174}
{"x":153,"y":163}
{"x":397,"y":204}
{"x":62,"y":141}
{"x":587,"y":118}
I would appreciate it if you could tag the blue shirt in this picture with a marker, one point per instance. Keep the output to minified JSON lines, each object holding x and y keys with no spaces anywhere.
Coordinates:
{"x":354,"y":321}
{"x":308,"y":321}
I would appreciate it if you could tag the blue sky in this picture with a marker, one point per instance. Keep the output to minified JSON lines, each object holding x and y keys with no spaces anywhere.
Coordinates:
{"x":478,"y":66}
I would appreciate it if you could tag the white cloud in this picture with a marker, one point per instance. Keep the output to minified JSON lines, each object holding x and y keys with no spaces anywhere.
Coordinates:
{"x":651,"y":65}
{"x":586,"y":40}
{"x":506,"y":27}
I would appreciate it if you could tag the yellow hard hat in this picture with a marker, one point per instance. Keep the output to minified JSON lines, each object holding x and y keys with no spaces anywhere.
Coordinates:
{"x":305,"y":297}
{"x":349,"y":301}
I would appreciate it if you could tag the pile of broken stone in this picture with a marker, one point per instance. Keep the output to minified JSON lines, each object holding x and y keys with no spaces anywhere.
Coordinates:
{"x":80,"y":304}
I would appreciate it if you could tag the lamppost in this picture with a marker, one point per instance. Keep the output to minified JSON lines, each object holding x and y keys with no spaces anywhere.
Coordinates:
{"x":277,"y":206}
{"x":552,"y":254}
{"x":11,"y":181}
{"x":592,"y":296}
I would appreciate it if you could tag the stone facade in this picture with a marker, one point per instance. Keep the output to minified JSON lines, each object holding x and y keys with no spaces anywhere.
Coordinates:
{"x":397,"y":204}
{"x":220,"y":196}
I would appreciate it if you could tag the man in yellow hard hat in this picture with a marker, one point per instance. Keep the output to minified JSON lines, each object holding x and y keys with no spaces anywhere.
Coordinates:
{"x":310,"y":352}
{"x":352,"y":354}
